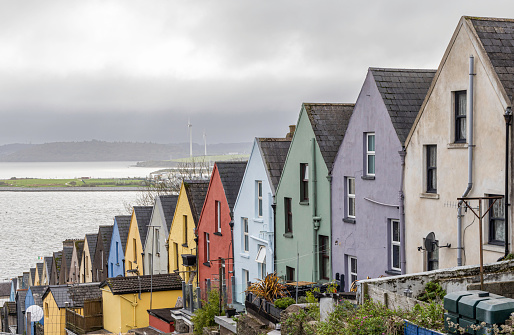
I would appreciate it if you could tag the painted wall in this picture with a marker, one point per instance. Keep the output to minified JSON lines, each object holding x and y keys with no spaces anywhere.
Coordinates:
{"x":55,"y":317}
{"x":29,"y":301}
{"x":177,"y":236}
{"x":120,"y":314}
{"x":156,"y":255}
{"x":74,"y":274}
{"x":437,"y":213}
{"x":86,"y":266}
{"x":36,"y":278}
{"x":220,"y":244}
{"x":368,"y":238}
{"x":302,"y":238}
{"x":116,"y":260}
{"x":161,"y":325}
{"x":260,"y":229}
{"x":133,"y":258}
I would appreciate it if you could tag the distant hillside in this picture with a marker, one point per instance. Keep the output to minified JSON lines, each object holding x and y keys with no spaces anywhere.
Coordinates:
{"x":94,"y":150}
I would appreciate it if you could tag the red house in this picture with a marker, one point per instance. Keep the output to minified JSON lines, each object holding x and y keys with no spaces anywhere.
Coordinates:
{"x":215,"y":255}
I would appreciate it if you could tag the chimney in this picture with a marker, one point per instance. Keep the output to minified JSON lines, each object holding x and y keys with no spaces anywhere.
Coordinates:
{"x":289,"y":135}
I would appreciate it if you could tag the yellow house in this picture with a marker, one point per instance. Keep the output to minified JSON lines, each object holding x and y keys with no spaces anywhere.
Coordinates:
{"x":181,"y":240}
{"x":39,"y":274}
{"x":87,"y":259}
{"x":139,"y":221}
{"x":127,"y":299}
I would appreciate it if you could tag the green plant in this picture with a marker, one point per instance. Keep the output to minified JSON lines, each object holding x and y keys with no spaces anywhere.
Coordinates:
{"x":433,"y":292}
{"x":331,"y":287}
{"x":204,"y":317}
{"x":508,"y":257}
{"x":285,"y":302}
{"x":268,"y":288}
{"x":430,"y":316}
{"x":309,"y":295}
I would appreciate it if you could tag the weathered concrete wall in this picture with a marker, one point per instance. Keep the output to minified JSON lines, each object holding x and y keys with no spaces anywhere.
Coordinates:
{"x":505,"y":289}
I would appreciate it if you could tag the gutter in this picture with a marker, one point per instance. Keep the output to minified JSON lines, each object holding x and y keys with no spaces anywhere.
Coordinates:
{"x":401,"y":198}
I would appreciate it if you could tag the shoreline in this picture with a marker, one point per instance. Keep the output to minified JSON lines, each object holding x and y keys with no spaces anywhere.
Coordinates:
{"x":70,"y":189}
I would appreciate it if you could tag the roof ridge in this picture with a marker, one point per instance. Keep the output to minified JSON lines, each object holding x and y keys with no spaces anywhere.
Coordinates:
{"x":273,"y":139}
{"x":400,"y":69}
{"x":329,"y":103}
{"x":484,"y":18}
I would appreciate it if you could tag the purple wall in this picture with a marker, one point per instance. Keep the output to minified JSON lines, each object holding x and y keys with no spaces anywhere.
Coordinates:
{"x":368,"y":239}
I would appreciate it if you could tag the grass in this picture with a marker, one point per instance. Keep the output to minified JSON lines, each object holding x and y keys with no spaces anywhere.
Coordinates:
{"x":35,"y":183}
{"x":212,"y":158}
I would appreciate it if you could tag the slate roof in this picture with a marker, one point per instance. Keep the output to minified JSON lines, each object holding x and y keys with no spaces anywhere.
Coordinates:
{"x":168,"y":202}
{"x":48,"y":263}
{"x":60,"y":294}
{"x":403,"y":92}
{"x":329,"y":123}
{"x":5,"y":289}
{"x":162,"y":282}
{"x":123,"y":222}
{"x":32,"y":276}
{"x":143,"y":216}
{"x":39,"y":267}
{"x":25,"y":280}
{"x":11,"y":306}
{"x":196,"y":190}
{"x":58,"y":260}
{"x":79,"y":246}
{"x":274,"y":153}
{"x":20,"y":299}
{"x":231,"y":175}
{"x":91,"y":244}
{"x":83,"y":292}
{"x":163,"y":313}
{"x":37,"y":294}
{"x":67,"y":254}
{"x":105,"y":232}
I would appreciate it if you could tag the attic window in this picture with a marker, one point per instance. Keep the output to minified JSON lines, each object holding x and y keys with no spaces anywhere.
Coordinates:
{"x":460,"y":116}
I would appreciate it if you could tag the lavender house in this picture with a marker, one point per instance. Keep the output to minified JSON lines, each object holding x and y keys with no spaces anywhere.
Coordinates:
{"x":367,"y":175}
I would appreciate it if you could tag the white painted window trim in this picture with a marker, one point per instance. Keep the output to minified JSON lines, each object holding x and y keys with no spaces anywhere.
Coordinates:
{"x":246,"y":236}
{"x":350,"y":196}
{"x":260,"y":203}
{"x":370,"y":153}
{"x":350,"y":273}
{"x":395,"y":243}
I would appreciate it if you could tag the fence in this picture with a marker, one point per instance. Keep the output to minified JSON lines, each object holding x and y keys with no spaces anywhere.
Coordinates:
{"x":91,"y":320}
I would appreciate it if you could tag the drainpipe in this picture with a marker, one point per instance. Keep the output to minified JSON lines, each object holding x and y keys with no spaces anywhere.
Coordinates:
{"x":402,"y":213}
{"x":329,"y":178}
{"x":274,"y":207}
{"x":315,"y":218}
{"x":470,"y":161}
{"x":508,"y":120}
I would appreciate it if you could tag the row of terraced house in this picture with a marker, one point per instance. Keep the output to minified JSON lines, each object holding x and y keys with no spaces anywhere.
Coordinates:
{"x":354,"y":190}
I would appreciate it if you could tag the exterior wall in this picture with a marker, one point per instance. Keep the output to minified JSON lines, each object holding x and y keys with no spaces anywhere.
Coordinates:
{"x":74,"y":273}
{"x":116,"y":260}
{"x":29,"y":301}
{"x":100,"y":261}
{"x":156,"y":256}
{"x":36,"y":278}
{"x":302,"y":238}
{"x":86,"y":276}
{"x":219,"y":243}
{"x":438,"y":213}
{"x":260,"y":229}
{"x":372,"y":221}
{"x":46,"y":274}
{"x":119,"y":312}
{"x":160,"y":324}
{"x":177,"y":235}
{"x":133,"y":259}
{"x":55,"y":317}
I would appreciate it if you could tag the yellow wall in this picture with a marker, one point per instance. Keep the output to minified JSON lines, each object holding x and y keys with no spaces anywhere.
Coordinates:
{"x":89,"y":274}
{"x":118,"y":310}
{"x":55,"y":317}
{"x":130,"y":261}
{"x":177,"y":235}
{"x":36,"y":278}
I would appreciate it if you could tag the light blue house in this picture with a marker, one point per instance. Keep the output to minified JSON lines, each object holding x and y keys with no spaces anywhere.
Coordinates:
{"x":120,"y":230}
{"x":34,"y":297}
{"x":12,"y":296}
{"x":253,"y":212}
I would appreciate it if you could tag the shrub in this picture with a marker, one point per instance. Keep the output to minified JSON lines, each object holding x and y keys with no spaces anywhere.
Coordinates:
{"x":268,"y":288}
{"x":204,"y":317}
{"x":433,"y":292}
{"x":283,"y":303}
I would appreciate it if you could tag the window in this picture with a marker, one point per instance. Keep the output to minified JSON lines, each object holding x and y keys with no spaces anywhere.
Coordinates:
{"x":431,"y":161}
{"x":460,"y":116}
{"x":324,"y":257}
{"x":352,"y":270}
{"x":246,"y":241}
{"x":290,"y":274}
{"x":259,"y":198}
{"x":156,"y":241}
{"x":497,"y":222}
{"x":370,"y":154}
{"x":117,"y":253}
{"x":350,"y":196}
{"x":246,"y":279}
{"x":176,"y":255}
{"x":261,"y":259}
{"x":218,"y":217}
{"x":207,"y":246}
{"x":304,"y":182}
{"x":395,"y":245}
{"x":288,"y":215}
{"x":184,"y":230}
{"x":134,"y":246}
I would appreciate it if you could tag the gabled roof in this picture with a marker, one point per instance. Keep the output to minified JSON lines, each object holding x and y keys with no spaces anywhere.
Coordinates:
{"x":37,"y":294}
{"x":67,"y":253}
{"x":164,"y":314}
{"x":58,"y":261}
{"x":274,"y":153}
{"x":143,"y":216}
{"x":231,"y":174}
{"x":168,"y":203}
{"x":11,"y":307}
{"x":91,"y":244}
{"x":48,"y":263}
{"x":403,"y":92}
{"x":79,"y":247}
{"x":497,"y":38}
{"x":329,"y":123}
{"x":60,"y":295}
{"x":5,"y":289}
{"x":20,"y":298}
{"x":32,"y":276}
{"x":196,"y":190}
{"x":131,"y":284}
{"x":39,"y":267}
{"x":105,"y":233}
{"x":84,"y":292}
{"x":123,"y":222}
{"x":25,"y":280}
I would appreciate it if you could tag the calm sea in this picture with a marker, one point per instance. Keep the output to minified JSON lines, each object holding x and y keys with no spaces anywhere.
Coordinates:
{"x":34,"y":224}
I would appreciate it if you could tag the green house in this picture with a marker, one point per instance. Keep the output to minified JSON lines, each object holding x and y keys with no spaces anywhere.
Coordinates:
{"x":303,"y":197}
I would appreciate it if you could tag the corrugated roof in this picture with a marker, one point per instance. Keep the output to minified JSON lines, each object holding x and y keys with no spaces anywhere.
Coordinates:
{"x":105,"y":232}
{"x":168,"y":203}
{"x":497,"y":37}
{"x":403,"y":92}
{"x":274,"y":153}
{"x":143,"y":216}
{"x":123,"y":222}
{"x":162,"y":282}
{"x":91,"y":244}
{"x":231,"y":174}
{"x":329,"y":123}
{"x":196,"y":190}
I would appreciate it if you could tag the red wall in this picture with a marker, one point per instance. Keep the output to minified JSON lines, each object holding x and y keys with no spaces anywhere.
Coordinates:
{"x":220,"y":246}
{"x":161,"y":325}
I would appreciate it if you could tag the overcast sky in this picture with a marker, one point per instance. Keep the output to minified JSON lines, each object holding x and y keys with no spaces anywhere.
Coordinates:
{"x":137,"y":70}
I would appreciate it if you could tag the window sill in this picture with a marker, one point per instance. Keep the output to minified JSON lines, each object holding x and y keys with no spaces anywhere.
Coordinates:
{"x":457,"y":146}
{"x":393,"y":272}
{"x":184,"y":245}
{"x":494,"y":247}
{"x":218,"y":233}
{"x":349,"y":220}
{"x":258,"y":220}
{"x":288,"y":235}
{"x":304,"y":203}
{"x":244,"y":255}
{"x":368,"y":177}
{"x":429,"y":195}
{"x":207,"y":264}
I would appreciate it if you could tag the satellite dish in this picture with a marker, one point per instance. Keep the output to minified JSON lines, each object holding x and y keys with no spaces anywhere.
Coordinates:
{"x":430,"y":242}
{"x":36,"y":313}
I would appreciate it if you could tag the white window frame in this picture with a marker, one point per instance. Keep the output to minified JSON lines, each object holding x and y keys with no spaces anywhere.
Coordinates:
{"x":350,"y":273}
{"x":218,"y":216}
{"x":395,"y":243}
{"x":246,"y":279}
{"x":207,"y":247}
{"x":370,"y":153}
{"x":350,"y":196}
{"x":246,"y":236}
{"x":260,"y":207}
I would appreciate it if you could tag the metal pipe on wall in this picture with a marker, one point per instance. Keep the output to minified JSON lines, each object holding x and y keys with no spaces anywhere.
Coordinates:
{"x":508,"y":120}
{"x":402,"y":213}
{"x":315,"y":219}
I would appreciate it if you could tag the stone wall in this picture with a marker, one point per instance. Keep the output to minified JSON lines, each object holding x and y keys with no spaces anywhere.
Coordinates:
{"x":249,"y":325}
{"x":505,"y":288}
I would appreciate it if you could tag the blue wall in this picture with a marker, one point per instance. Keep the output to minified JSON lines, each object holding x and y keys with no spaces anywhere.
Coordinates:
{"x":116,"y":254}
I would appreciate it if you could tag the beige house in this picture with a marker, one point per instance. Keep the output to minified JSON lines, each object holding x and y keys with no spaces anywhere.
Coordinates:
{"x":87,"y":259}
{"x":438,"y":150}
